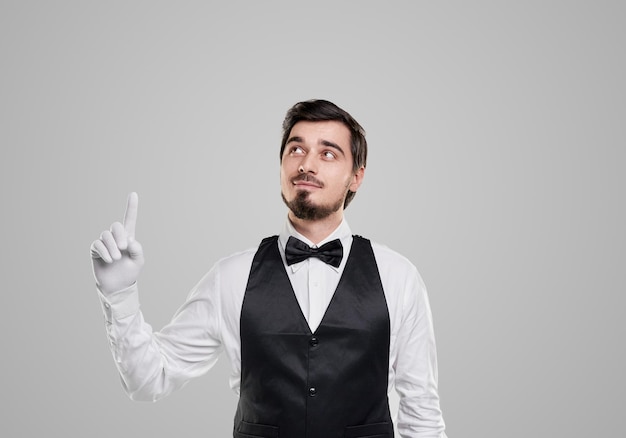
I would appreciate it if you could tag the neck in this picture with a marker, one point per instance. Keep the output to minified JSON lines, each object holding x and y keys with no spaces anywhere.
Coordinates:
{"x":317,"y":230}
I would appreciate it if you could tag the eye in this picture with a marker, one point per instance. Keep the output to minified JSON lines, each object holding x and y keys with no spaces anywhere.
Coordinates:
{"x":296,"y":150}
{"x":329,"y":155}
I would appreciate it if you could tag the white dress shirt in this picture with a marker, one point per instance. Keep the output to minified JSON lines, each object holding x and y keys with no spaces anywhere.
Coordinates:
{"x":153,"y":364}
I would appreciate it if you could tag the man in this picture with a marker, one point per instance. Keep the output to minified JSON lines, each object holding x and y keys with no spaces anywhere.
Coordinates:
{"x":319,"y":325}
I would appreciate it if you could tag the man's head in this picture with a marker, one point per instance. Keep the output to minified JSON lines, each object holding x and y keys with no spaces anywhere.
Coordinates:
{"x":322,"y":146}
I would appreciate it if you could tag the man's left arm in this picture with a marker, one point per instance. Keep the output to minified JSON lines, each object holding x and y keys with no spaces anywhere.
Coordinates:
{"x":419,"y":413}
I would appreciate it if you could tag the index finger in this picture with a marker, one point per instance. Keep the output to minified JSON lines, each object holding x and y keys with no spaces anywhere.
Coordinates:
{"x":130,"y":217}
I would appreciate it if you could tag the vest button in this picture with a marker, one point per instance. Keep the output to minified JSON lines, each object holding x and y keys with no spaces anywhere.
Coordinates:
{"x":313,"y":341}
{"x":312,"y":392}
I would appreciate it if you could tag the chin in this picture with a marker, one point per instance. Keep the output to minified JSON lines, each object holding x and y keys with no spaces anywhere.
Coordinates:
{"x":303,"y":208}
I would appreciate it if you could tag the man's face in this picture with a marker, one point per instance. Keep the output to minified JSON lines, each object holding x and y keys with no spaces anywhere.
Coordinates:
{"x":316,"y":171}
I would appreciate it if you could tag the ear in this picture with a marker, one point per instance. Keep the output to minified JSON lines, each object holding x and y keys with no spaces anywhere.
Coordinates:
{"x":357,"y":179}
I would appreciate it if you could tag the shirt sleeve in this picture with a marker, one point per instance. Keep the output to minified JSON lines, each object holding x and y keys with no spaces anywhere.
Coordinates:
{"x":419,"y":413}
{"x":154,"y":364}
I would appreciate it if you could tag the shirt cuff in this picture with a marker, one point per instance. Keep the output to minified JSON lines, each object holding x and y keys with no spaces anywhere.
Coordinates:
{"x":120,"y":304}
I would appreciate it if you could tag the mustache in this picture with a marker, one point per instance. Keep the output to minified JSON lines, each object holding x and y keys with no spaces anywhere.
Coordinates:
{"x":307,"y":178}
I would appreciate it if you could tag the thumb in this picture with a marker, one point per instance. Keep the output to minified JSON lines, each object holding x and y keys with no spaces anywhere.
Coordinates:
{"x":135,"y":250}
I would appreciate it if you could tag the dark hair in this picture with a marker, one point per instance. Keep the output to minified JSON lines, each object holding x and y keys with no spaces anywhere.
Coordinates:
{"x":323,"y":110}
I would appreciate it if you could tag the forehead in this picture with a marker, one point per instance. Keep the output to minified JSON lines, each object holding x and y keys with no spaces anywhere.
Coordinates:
{"x":328,"y":130}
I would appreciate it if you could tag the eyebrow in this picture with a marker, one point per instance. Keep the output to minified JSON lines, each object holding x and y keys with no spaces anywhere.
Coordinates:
{"x":326,"y":143}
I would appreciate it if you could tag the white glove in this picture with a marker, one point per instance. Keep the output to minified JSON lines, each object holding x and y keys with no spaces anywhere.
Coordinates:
{"x":116,"y":256}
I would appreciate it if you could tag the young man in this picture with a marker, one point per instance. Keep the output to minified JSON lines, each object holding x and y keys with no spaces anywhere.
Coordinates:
{"x":319,"y":325}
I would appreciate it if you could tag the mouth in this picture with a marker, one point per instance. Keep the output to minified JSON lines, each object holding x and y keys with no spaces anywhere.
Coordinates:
{"x":306,"y":181}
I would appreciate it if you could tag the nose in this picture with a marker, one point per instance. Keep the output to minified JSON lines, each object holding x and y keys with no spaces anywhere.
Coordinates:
{"x":307,"y":165}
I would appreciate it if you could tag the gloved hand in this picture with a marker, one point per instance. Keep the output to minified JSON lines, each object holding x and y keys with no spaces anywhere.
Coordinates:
{"x":116,"y":256}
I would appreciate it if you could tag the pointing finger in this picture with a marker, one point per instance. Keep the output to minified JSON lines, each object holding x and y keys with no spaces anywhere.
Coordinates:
{"x":130,"y":217}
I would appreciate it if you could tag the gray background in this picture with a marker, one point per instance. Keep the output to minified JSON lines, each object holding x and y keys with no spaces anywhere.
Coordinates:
{"x":496,"y":165}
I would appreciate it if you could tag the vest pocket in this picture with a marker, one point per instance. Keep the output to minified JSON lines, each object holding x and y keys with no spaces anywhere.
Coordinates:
{"x":373,"y":430}
{"x":253,"y":430}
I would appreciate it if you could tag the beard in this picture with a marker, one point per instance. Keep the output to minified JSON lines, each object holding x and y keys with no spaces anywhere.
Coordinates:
{"x":302,"y":207}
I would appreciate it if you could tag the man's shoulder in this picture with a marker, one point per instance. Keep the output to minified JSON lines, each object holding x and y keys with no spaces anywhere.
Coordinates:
{"x":384,"y":251}
{"x":396,"y":271}
{"x":237,"y":260}
{"x":390,"y":260}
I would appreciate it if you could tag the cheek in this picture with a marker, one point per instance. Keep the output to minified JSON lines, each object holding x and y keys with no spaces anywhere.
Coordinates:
{"x":284,"y":176}
{"x":345,"y":181}
{"x":287,"y":166}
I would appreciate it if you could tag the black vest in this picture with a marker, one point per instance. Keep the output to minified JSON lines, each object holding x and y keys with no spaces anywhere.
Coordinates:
{"x":327,"y":384}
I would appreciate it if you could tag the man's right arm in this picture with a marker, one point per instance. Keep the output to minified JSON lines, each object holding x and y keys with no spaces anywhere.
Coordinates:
{"x":154,"y":364}
{"x":150,"y":364}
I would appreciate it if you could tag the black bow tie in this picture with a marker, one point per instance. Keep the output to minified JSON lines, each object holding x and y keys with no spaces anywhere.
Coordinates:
{"x":297,"y":251}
